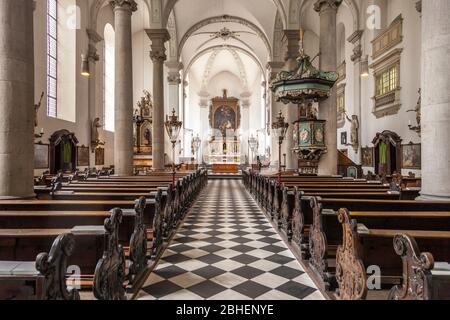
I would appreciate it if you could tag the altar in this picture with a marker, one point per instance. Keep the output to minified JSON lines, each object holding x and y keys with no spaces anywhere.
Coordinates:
{"x":225,"y":168}
{"x":224,"y":146}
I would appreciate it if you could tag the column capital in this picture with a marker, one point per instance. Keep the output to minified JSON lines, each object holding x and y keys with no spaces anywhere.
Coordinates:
{"x":293,"y":44}
{"x":158,"y":49}
{"x":174,"y":78}
{"x":94,"y":36}
{"x":124,"y":4}
{"x":158,"y":35}
{"x":419,"y":7}
{"x":204,"y":99}
{"x":322,"y":5}
{"x":273,"y":68}
{"x":174,"y":66}
{"x":355,"y":39}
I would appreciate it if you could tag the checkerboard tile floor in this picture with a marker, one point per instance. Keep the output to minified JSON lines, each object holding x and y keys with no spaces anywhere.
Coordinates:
{"x":227,"y":250}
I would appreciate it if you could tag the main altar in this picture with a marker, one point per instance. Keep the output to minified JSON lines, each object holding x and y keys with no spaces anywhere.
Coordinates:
{"x":224,"y":145}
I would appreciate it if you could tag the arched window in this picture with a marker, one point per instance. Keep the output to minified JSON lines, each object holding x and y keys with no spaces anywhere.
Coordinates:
{"x":109,"y":78}
{"x":52,"y":57}
{"x":62,"y":23}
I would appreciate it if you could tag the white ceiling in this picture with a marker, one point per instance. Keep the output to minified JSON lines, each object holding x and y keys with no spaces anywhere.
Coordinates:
{"x":243,"y":55}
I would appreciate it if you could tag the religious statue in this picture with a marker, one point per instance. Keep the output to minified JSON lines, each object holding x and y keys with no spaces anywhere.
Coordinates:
{"x":148,"y":137}
{"x":417,"y":109}
{"x":95,"y":136}
{"x":145,"y":105}
{"x":308,"y":111}
{"x":36,"y":110}
{"x":354,"y":131}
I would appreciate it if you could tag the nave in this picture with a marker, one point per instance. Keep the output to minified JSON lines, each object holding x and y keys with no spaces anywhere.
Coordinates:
{"x":227,"y":250}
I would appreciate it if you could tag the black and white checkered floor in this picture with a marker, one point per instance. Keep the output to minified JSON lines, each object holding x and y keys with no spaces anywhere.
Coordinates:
{"x":227,"y":250}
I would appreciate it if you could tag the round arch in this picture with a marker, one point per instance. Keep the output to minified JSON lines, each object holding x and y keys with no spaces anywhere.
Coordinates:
{"x":220,"y":47}
{"x":220,"y":19}
{"x":97,"y":5}
{"x":171,"y":4}
{"x":351,"y":4}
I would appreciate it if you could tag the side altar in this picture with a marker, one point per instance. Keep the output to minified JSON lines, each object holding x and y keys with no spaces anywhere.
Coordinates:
{"x":142,"y":133}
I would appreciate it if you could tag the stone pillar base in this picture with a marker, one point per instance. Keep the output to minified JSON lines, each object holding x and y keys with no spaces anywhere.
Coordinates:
{"x":25,"y":197}
{"x":425,"y":197}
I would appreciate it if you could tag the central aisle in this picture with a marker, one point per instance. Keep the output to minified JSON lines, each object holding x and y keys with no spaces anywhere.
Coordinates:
{"x":227,"y":250}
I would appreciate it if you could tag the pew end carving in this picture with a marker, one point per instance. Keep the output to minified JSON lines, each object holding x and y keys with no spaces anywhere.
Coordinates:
{"x":298,"y":225}
{"x":138,"y":242}
{"x":350,"y":271}
{"x":110,"y":274}
{"x":417,"y":266}
{"x":318,"y":246}
{"x":53,"y":266}
{"x":158,"y":225}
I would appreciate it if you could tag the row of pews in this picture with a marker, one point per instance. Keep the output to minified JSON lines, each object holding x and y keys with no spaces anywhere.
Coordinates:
{"x":360,"y":239}
{"x":90,"y":236}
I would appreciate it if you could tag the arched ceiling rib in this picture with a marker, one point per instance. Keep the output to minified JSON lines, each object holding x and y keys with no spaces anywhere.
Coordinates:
{"x":221,"y":20}
{"x":171,"y":5}
{"x":220,"y":48}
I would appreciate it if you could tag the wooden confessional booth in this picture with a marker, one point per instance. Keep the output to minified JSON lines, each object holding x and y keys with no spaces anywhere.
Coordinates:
{"x":388,"y":153}
{"x":63,"y":151}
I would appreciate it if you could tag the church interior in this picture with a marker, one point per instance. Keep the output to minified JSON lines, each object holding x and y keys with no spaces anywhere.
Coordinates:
{"x":224,"y":150}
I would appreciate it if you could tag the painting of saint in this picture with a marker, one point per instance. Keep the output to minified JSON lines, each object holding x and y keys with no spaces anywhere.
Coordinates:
{"x":367,"y":157}
{"x":225,"y":119}
{"x":411,"y":156}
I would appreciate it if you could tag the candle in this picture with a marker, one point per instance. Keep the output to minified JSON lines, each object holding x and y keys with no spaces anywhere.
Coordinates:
{"x":42,"y":130}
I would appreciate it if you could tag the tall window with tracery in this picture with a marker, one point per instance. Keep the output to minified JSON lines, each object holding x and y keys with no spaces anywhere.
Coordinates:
{"x":52,"y":57}
{"x":109,"y":78}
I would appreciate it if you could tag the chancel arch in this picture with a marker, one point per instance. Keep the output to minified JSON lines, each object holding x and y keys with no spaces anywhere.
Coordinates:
{"x":221,"y":20}
{"x":171,"y":4}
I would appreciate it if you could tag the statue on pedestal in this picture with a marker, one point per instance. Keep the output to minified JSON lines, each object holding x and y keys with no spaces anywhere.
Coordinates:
{"x":354,"y":139}
{"x":36,"y":110}
{"x":95,"y":136}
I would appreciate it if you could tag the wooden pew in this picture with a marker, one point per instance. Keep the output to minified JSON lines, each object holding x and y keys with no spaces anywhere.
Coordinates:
{"x":97,"y":254}
{"x":286,"y":208}
{"x":325,"y":233}
{"x":40,"y":279}
{"x":422,"y":278}
{"x":152,"y":213}
{"x":364,"y":246}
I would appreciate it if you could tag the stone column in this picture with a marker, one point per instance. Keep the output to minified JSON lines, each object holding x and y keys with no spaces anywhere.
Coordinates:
{"x":273,"y":68}
{"x":16,"y":99}
{"x":355,"y":39}
{"x":435,"y":100}
{"x":174,"y":80}
{"x":327,"y":10}
{"x":290,"y":111}
{"x":93,"y":58}
{"x":158,"y":55}
{"x":204,"y":103}
{"x":123,"y":137}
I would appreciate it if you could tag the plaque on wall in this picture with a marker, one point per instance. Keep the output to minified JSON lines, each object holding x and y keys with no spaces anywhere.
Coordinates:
{"x":344,"y":138}
{"x":83,"y":156}
{"x":411,"y":156}
{"x":41,"y":156}
{"x":367,"y":157}
{"x":100,"y":157}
